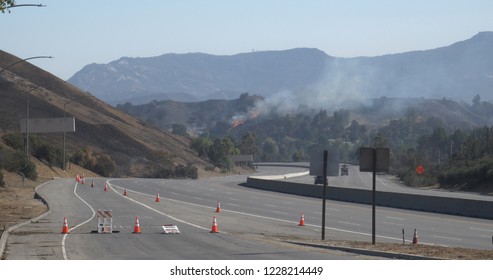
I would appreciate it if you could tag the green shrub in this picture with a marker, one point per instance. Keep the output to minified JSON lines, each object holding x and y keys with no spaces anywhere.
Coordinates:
{"x":14,"y":140}
{"x":18,"y":162}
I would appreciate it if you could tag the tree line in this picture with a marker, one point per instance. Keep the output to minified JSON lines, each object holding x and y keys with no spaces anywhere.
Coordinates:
{"x":451,"y":157}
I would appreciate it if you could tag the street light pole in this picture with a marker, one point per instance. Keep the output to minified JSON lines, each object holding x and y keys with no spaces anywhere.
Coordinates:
{"x":25,"y":5}
{"x":64,"y":116}
{"x":25,"y":59}
{"x":27,"y":120}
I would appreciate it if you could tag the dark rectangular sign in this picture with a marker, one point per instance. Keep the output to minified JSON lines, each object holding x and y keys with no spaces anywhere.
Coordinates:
{"x":366,"y":159}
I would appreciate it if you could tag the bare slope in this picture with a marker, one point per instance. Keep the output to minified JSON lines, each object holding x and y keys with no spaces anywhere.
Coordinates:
{"x":99,"y":126}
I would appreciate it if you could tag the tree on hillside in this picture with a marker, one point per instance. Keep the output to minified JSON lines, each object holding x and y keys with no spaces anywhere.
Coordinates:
{"x":248,"y":144}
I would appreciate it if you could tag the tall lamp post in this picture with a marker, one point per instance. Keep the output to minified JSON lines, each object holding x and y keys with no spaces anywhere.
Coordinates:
{"x":28,"y":94}
{"x":64,"y":116}
{"x":25,"y":59}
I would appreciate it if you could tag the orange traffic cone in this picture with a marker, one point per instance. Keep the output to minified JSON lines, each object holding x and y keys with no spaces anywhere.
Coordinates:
{"x":77,"y":178}
{"x":415,"y":237}
{"x":137,"y":225}
{"x":214,"y":229}
{"x":65,"y":226}
{"x":302,"y":220}
{"x":125,"y":193}
{"x":106,"y":187}
{"x":158,"y":199}
{"x":92,"y":184}
{"x":218,"y":207}
{"x":82,"y":181}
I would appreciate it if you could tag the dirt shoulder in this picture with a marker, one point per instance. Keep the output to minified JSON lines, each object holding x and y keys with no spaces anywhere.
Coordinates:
{"x":427,"y":251}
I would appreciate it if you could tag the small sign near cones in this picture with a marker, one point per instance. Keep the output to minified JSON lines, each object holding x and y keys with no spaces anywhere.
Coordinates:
{"x":171,"y":229}
{"x":420,"y":169}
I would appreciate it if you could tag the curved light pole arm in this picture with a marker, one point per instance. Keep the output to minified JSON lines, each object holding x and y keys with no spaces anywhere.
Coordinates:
{"x":22,"y":60}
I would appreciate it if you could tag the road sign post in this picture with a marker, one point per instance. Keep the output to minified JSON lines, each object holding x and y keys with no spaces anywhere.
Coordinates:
{"x":324,"y":192}
{"x":374,"y":160}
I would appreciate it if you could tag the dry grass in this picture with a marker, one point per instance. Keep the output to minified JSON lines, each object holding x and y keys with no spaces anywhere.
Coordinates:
{"x":431,"y":251}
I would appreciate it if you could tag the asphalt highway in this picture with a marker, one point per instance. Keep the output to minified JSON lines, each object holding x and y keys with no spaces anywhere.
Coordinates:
{"x":251,"y":222}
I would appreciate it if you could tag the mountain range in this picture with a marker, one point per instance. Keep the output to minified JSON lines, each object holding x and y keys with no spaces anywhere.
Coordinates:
{"x":306,"y":76}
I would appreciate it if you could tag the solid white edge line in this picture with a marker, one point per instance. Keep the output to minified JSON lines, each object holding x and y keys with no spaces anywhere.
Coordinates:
{"x":65,"y":257}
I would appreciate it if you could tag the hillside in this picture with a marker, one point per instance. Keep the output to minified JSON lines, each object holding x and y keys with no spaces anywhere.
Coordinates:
{"x":304,"y":76}
{"x":197,"y":117}
{"x":212,"y":115}
{"x":100,"y":127}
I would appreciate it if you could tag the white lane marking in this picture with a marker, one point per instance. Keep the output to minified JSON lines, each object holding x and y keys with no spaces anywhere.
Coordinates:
{"x":348,"y":223}
{"x":448,"y":238}
{"x":253,"y":215}
{"x":481,"y":229}
{"x":198,"y":198}
{"x":279,"y":212}
{"x":383,"y":183}
{"x":393,"y":224}
{"x":229,"y":193}
{"x":234,"y":199}
{"x":334,"y":209}
{"x":65,"y":257}
{"x":270,"y":205}
{"x":394,"y":218}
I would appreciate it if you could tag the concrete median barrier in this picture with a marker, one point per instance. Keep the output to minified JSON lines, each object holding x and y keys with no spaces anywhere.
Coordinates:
{"x":438,"y":204}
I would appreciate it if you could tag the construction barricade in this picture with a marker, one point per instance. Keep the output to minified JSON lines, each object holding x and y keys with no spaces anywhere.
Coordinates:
{"x":105,"y":221}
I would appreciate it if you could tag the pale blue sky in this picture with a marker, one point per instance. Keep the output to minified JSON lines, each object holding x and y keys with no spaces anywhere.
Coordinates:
{"x":78,"y":33}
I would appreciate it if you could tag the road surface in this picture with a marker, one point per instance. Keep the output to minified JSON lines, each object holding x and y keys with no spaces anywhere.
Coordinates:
{"x":251,"y":222}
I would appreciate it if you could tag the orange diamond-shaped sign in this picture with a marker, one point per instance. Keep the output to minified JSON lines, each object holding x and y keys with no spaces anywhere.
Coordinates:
{"x":420,"y":169}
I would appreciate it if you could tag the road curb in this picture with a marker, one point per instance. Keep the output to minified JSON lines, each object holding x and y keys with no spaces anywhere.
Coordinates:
{"x":5,"y":234}
{"x":374,"y":253}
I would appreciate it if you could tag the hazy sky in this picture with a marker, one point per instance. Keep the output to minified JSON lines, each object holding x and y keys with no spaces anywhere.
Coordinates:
{"x":78,"y":33}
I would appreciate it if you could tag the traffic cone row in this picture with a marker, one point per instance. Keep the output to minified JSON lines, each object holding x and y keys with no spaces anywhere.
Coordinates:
{"x":214,"y":229}
{"x":92,"y":184}
{"x":125,"y":193}
{"x":106,"y":187}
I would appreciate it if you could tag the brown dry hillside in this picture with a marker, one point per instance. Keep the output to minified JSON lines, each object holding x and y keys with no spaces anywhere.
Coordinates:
{"x":103,"y":128}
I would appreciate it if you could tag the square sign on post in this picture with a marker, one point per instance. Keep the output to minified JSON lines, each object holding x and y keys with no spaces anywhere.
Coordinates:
{"x":317,"y":161}
{"x":367,"y":158}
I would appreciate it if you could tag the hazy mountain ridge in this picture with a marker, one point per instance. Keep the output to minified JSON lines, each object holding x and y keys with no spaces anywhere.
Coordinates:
{"x":201,"y":75}
{"x":305,"y":76}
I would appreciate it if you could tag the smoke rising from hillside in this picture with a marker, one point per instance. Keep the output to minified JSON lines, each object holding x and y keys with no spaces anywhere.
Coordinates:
{"x":344,"y":83}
